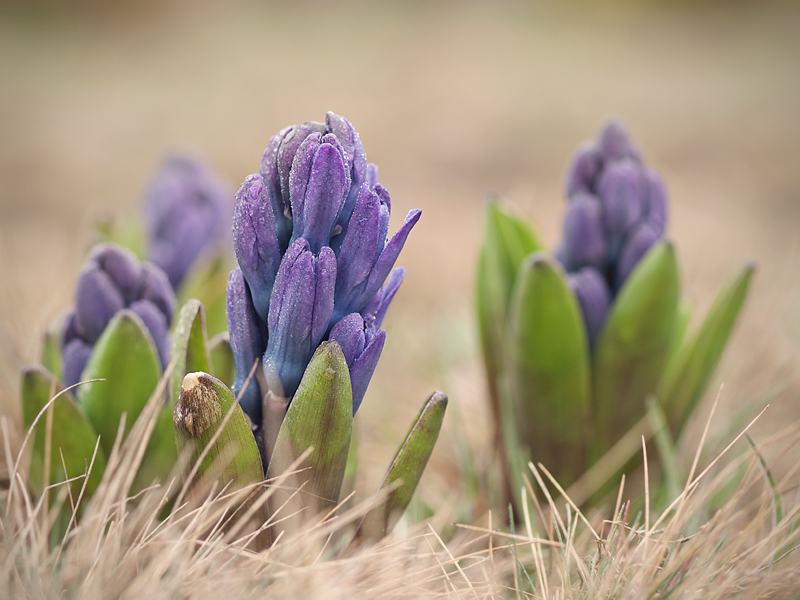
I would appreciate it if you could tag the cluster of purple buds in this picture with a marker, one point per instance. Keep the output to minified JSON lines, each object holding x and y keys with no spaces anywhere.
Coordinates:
{"x":113,"y":280}
{"x":310,"y":235}
{"x":617,"y":211}
{"x":187,"y":210}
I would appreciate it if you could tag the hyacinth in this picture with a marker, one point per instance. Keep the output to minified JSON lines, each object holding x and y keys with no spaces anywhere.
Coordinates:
{"x":187,"y":209}
{"x":310,"y":235}
{"x":617,"y":211}
{"x":113,"y":280}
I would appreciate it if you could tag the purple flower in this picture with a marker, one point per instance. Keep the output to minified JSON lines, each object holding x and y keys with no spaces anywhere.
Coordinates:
{"x":311,"y":238}
{"x":112,"y":280}
{"x":187,"y":210}
{"x":617,"y":210}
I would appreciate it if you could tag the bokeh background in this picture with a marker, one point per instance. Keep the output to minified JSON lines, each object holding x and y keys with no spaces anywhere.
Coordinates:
{"x":453,"y":100}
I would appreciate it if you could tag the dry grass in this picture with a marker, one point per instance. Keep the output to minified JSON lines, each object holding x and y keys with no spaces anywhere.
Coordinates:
{"x":116,"y":546}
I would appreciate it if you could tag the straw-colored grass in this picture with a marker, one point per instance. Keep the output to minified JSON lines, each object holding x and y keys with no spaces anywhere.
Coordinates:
{"x":714,"y":540}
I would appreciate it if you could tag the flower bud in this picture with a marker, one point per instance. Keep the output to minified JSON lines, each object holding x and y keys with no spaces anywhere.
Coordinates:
{"x":187,"y":209}
{"x":255,"y":240}
{"x":299,"y":313}
{"x":583,"y":233}
{"x":583,"y":169}
{"x":156,"y":323}
{"x":615,"y":143}
{"x":75,"y":357}
{"x":122,"y":266}
{"x":362,"y":345}
{"x":318,"y":185}
{"x":594,"y":297}
{"x":247,"y":343}
{"x":655,"y":201}
{"x":97,"y":299}
{"x":620,"y":191}
{"x":156,"y":289}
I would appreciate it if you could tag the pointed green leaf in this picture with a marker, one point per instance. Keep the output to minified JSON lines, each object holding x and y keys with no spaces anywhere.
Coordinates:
{"x":219,"y":349}
{"x":161,"y":454}
{"x":189,"y":351}
{"x":125,"y":356}
{"x":632,"y":348}
{"x":406,"y":469}
{"x":71,"y":434}
{"x":319,"y":417}
{"x":685,"y":381}
{"x":207,"y":281}
{"x":549,"y":368}
{"x":682,"y":320}
{"x":507,"y":241}
{"x":202,"y":405}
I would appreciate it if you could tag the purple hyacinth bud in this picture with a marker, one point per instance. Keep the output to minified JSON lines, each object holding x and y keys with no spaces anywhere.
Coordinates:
{"x":375,"y":310}
{"x":97,"y":300}
{"x":284,"y":158}
{"x":156,"y":323}
{"x":361,"y":345}
{"x":615,"y":143}
{"x":583,"y":169}
{"x":75,"y":358}
{"x":157,"y":289}
{"x":318,"y":185}
{"x":355,"y":159}
{"x":187,"y":209}
{"x":68,"y":331}
{"x":255,"y":241}
{"x":359,"y":280}
{"x":247,"y":343}
{"x":583,"y":233}
{"x":299,"y":313}
{"x":122,"y":266}
{"x":594,"y":298}
{"x":272,"y":181}
{"x":620,"y":191}
{"x":655,"y":201}
{"x":636,"y":245}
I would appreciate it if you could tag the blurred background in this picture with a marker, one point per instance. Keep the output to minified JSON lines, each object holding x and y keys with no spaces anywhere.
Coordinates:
{"x":453,"y":100}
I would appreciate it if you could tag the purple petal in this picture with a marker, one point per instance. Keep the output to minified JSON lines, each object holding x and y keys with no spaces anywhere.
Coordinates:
{"x":364,"y":366}
{"x":594,"y":298}
{"x":156,"y":323}
{"x":615,"y":143}
{"x":389,"y":255}
{"x":122,"y":266}
{"x":68,"y":331}
{"x":255,"y":241}
{"x":75,"y":357}
{"x":247,"y":342}
{"x":318,"y":186}
{"x":583,"y":233}
{"x":157,"y":289}
{"x":97,"y":300}
{"x":323,"y":295}
{"x":584,"y":167}
{"x":638,"y":242}
{"x":293,"y":137}
{"x":272,"y":181}
{"x":379,"y":304}
{"x":355,"y":159}
{"x":349,"y":333}
{"x":291,"y":314}
{"x":372,"y":175}
{"x":620,"y":192}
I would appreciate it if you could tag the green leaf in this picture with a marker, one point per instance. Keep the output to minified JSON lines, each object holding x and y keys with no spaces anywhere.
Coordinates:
{"x":189,"y":351}
{"x":507,"y":241}
{"x":202,"y":405}
{"x":684,"y":382}
{"x":72,"y":433}
{"x":319,"y":417}
{"x":406,"y":469}
{"x":161,"y":454}
{"x":219,"y":348}
{"x":682,"y":320}
{"x":125,"y":356}
{"x":633,"y":345}
{"x":549,"y":368}
{"x":207,"y":281}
